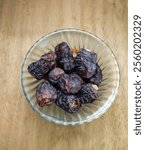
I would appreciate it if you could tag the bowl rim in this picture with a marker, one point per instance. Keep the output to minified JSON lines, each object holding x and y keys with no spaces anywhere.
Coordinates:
{"x":93,"y":116}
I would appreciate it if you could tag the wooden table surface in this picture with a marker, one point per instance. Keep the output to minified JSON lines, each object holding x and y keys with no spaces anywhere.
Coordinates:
{"x":22,"y":22}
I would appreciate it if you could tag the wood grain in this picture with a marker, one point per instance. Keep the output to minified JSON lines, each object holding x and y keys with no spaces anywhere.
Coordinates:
{"x":22,"y":22}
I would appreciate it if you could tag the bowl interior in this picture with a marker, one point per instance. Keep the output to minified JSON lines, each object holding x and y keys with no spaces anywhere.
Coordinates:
{"x":105,"y":58}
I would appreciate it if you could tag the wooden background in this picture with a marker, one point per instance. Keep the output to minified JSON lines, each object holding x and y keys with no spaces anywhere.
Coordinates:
{"x":22,"y":22}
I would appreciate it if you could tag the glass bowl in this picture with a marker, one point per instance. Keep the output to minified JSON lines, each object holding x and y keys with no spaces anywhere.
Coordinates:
{"x":105,"y":58}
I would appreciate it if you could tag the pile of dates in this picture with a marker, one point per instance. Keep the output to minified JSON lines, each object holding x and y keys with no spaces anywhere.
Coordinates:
{"x":72,"y":77}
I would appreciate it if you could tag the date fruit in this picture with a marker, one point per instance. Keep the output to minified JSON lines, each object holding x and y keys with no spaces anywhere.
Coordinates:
{"x":50,"y":58}
{"x":46,"y":94}
{"x":97,"y":77}
{"x":54,"y":75}
{"x":69,"y":103}
{"x":70,"y":83}
{"x":85,"y":63}
{"x":41,"y":67}
{"x":90,"y":56}
{"x":65,"y":57}
{"x":88,"y":93}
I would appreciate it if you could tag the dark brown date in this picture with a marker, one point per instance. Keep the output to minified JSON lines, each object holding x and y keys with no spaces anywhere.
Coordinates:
{"x":64,"y":57}
{"x":90,"y":56}
{"x":41,"y":67}
{"x":85,"y":63}
{"x":70,"y":83}
{"x":88,"y":93}
{"x":55,"y":75}
{"x":46,"y":94}
{"x":69,"y":103}
{"x":97,"y":77}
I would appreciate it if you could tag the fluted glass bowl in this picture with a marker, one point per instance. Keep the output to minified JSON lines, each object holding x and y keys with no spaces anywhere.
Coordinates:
{"x":105,"y":58}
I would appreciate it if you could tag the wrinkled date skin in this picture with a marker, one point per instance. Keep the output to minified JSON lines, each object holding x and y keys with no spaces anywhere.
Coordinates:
{"x":41,"y":67}
{"x":88,"y":93}
{"x":70,"y":83}
{"x":49,"y":57}
{"x":46,"y":94}
{"x":54,"y":75}
{"x":90,"y":56}
{"x":69,"y":103}
{"x":85,"y":63}
{"x":97,"y":77}
{"x":65,"y":57}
